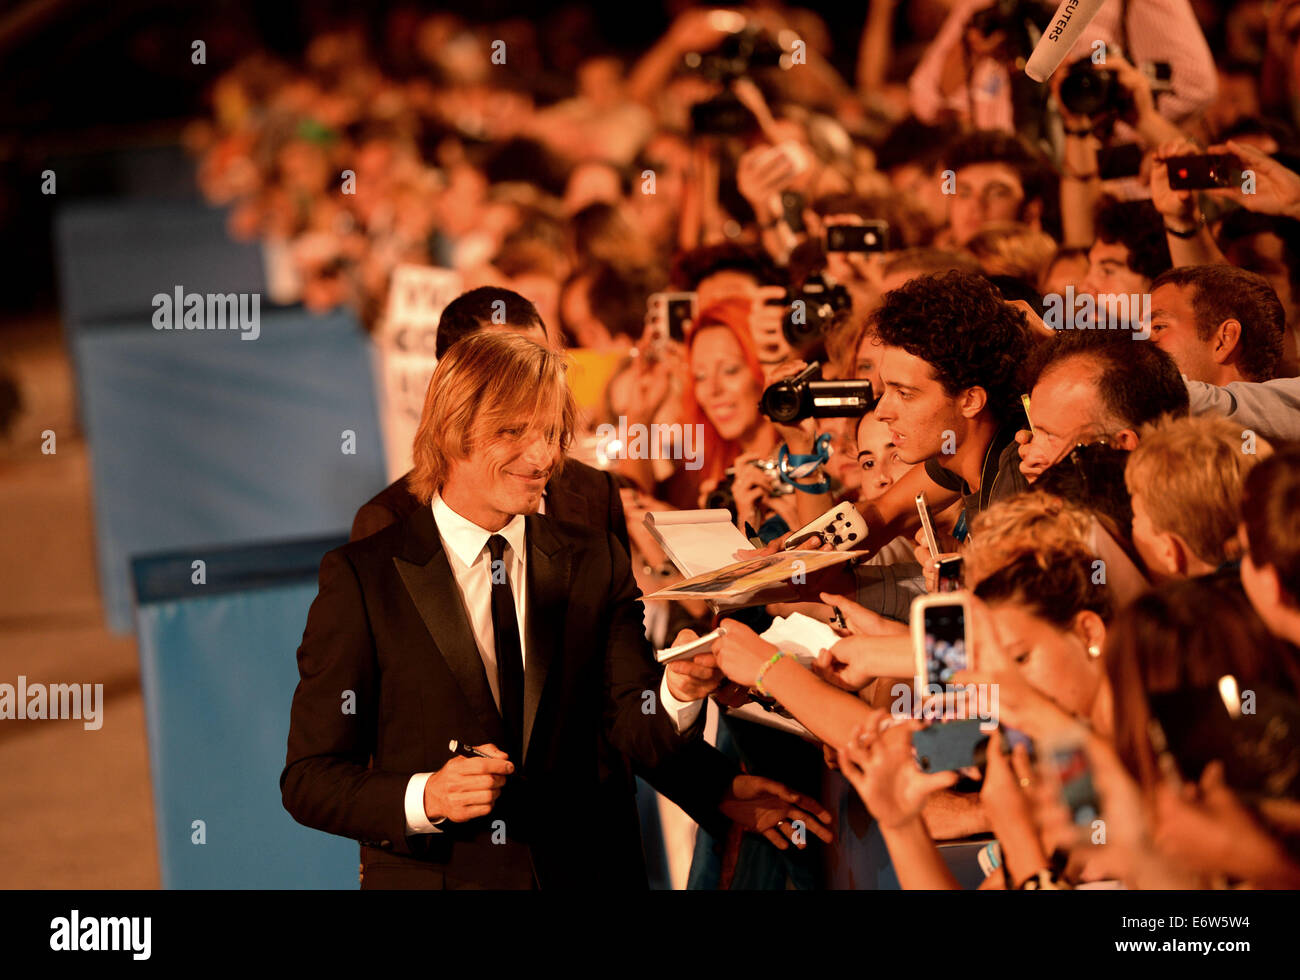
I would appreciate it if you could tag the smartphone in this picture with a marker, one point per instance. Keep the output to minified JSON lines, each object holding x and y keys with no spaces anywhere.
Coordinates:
{"x":941,"y":640}
{"x":792,"y":205}
{"x":1119,"y":161}
{"x":949,"y":745}
{"x":870,"y":236}
{"x":1160,"y":75}
{"x":1070,"y":761}
{"x":1196,"y":172}
{"x":675,"y":311}
{"x":927,"y":525}
{"x":951,"y":572}
{"x":789,"y":157}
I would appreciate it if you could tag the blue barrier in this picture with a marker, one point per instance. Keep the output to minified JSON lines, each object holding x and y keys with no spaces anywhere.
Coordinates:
{"x":218,"y":671}
{"x":203,"y":438}
{"x":114,"y":256}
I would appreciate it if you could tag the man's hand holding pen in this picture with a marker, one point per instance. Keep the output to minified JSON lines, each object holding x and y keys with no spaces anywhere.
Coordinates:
{"x":467,"y":787}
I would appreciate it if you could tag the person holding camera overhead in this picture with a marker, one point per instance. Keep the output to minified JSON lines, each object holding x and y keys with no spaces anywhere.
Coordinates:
{"x":970,"y":70}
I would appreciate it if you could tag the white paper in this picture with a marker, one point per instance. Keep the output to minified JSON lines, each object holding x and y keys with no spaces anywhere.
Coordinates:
{"x":801,"y":636}
{"x":691,"y":647}
{"x":756,"y":713}
{"x":697,"y":541}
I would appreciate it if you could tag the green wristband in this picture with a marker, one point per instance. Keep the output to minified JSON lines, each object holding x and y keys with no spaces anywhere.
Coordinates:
{"x":758,"y":682}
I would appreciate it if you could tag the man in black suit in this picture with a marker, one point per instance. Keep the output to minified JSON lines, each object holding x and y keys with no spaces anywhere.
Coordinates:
{"x":536,"y":656}
{"x":695,"y":779}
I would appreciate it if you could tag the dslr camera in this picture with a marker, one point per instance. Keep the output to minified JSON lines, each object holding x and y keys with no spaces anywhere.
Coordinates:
{"x":722,"y":497}
{"x":1019,"y":20}
{"x":812,"y":308}
{"x":1095,"y":90}
{"x":746,"y":48}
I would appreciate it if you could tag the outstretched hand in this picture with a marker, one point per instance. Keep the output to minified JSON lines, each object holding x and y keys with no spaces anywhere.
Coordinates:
{"x":784,"y":817}
{"x":879,"y":762}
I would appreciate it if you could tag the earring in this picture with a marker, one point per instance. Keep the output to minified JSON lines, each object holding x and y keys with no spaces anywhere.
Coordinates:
{"x":1094,"y":651}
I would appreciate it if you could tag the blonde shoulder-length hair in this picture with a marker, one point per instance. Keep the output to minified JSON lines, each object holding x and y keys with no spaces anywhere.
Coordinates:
{"x":487,"y":382}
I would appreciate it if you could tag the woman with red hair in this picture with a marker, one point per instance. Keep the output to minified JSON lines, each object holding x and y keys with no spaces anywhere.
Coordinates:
{"x":722,"y":394}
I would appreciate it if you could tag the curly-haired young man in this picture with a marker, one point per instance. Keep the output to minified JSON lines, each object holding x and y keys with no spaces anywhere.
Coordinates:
{"x":950,"y":358}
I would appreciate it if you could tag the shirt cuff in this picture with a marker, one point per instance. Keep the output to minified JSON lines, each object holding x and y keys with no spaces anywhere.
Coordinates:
{"x":682,"y":713}
{"x":417,"y":821}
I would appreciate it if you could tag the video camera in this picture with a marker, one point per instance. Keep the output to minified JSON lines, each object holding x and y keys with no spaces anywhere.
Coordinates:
{"x":806,"y":395}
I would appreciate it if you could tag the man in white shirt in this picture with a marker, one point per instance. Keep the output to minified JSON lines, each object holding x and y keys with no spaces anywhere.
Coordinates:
{"x":480,"y":622}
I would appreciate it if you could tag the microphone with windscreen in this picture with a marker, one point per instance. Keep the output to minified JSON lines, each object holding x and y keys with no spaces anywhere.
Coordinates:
{"x":1068,"y":24}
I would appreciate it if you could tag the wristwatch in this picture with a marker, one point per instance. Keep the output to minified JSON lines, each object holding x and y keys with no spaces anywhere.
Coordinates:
{"x":1191,"y":232}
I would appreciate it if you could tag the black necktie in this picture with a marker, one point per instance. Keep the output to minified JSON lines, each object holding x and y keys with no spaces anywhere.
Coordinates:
{"x":510,"y":658}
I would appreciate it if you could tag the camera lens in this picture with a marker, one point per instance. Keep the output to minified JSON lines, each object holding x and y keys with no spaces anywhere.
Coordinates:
{"x":1087,"y":91}
{"x":781,"y":403}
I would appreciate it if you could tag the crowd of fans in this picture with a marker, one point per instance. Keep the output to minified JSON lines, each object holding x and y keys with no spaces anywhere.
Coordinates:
{"x":960,"y":238}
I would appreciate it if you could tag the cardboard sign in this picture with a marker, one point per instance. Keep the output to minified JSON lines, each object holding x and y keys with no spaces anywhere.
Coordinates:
{"x":406,"y":345}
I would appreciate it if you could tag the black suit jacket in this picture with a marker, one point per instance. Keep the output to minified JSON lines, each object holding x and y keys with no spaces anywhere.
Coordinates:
{"x":388,"y":625}
{"x":695,"y":778}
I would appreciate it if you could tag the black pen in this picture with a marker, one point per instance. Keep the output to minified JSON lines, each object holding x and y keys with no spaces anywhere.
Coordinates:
{"x":465,"y":750}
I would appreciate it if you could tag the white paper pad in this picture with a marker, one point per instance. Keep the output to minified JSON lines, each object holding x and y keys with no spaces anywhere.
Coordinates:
{"x":697,"y":541}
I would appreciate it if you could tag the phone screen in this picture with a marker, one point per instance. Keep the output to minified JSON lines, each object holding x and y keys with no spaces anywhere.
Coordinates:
{"x":950,"y":574}
{"x":945,"y":642}
{"x":681,"y":314}
{"x":1076,"y":784}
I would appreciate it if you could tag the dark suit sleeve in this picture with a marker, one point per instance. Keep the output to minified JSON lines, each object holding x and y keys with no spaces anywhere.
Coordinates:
{"x":636,"y":722}
{"x":326,"y":783}
{"x":696,"y":777}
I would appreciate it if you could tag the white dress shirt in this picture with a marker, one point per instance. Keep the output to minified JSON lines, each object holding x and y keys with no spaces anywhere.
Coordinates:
{"x":471,"y":566}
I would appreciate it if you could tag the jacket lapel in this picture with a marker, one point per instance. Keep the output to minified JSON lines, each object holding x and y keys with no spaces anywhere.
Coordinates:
{"x":548,"y":592}
{"x":428,"y":579}
{"x":564,"y":503}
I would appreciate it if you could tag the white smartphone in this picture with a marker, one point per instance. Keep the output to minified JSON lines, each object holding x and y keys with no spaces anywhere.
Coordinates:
{"x":941,"y":638}
{"x":927,"y":525}
{"x":670,"y":316}
{"x":788,"y":158}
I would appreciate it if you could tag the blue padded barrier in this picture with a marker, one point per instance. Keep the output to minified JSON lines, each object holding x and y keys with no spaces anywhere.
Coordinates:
{"x":203,"y":438}
{"x":218,"y":669}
